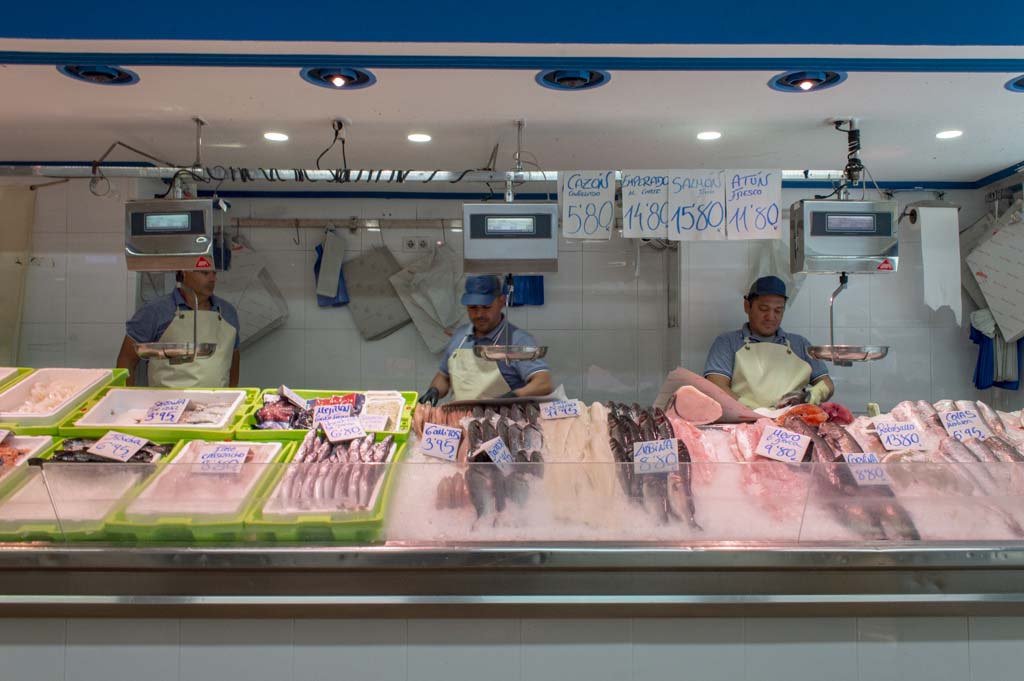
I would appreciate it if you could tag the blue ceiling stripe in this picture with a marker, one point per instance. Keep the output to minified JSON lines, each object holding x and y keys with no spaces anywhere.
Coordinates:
{"x":868,"y":22}
{"x":489,"y":62}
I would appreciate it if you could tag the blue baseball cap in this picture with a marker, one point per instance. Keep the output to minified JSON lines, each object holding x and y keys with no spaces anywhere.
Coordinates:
{"x":481,"y":290}
{"x":767,"y":286}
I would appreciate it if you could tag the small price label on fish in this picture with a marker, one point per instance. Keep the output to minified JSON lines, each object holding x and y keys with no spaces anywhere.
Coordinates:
{"x":323,"y":412}
{"x":656,"y":456}
{"x":499,"y":454}
{"x":560,"y":409}
{"x":293,"y":397}
{"x":440,"y":442}
{"x":782,"y":445}
{"x":899,"y":435}
{"x":117,"y":446}
{"x":964,"y":424}
{"x":166,"y":411}
{"x":342,"y":428}
{"x":374,"y":423}
{"x":222,"y":457}
{"x":866,"y":468}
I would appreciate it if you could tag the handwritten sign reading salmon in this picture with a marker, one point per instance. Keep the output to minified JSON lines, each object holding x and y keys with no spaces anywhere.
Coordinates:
{"x":696,"y":205}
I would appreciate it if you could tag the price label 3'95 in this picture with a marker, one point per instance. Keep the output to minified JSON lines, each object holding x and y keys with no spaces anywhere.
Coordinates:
{"x":440,"y":442}
{"x":166,"y":411}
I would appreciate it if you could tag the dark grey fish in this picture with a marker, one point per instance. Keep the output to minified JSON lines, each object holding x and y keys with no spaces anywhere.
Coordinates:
{"x":653,"y":496}
{"x":481,"y":489}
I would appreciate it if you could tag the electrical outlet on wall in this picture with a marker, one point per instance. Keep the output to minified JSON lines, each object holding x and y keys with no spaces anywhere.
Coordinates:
{"x":412,"y":244}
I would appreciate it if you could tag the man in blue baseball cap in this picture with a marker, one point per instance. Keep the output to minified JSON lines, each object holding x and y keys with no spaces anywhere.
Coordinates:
{"x":762,"y":365}
{"x":473,"y":378}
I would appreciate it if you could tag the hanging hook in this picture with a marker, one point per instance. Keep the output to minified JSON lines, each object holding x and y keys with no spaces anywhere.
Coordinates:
{"x":298,"y":237}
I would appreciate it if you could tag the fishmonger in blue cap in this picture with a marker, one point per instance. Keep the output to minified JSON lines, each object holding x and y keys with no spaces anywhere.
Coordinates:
{"x":474,"y":378}
{"x":762,"y":365}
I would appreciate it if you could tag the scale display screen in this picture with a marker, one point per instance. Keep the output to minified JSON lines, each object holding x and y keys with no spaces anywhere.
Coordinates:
{"x":519,"y":225}
{"x":850,"y":223}
{"x":166,"y":223}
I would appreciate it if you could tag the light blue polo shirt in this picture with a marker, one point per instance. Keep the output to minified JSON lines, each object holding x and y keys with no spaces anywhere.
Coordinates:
{"x":150,"y":321}
{"x":516,"y":374}
{"x":722,"y":354}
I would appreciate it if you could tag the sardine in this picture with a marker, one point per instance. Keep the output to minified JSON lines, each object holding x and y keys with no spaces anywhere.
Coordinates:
{"x":354,"y":479}
{"x":366,"y":488}
{"x":305,"y":447}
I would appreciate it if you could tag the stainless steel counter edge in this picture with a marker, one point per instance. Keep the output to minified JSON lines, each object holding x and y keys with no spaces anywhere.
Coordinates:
{"x":717,"y":557}
{"x":507,"y":581}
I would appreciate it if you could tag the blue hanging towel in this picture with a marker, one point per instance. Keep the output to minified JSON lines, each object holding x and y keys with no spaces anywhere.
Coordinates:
{"x":342,"y":297}
{"x":529,"y":290}
{"x":984,"y":370}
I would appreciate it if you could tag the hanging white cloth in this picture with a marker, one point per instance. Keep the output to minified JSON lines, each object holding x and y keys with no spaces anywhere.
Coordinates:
{"x":430,"y":289}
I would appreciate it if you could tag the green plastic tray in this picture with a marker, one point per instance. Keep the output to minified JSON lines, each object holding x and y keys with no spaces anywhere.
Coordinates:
{"x":187,"y":528}
{"x":117,"y":379}
{"x":94,"y":530}
{"x":249,"y":431}
{"x":19,"y":374}
{"x":365,"y":527}
{"x":67,"y":427}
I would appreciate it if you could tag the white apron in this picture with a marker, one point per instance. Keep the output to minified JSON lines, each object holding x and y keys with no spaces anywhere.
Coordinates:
{"x":764,"y":372}
{"x":474,"y":378}
{"x":209,"y":372}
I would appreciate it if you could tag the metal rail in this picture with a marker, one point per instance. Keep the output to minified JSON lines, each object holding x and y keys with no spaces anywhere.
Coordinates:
{"x":535,"y":581}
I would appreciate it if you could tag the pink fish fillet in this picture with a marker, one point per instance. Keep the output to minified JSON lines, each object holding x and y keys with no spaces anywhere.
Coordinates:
{"x":732,"y":410}
{"x":780,"y":488}
{"x":694,"y":406}
{"x":694,"y":441}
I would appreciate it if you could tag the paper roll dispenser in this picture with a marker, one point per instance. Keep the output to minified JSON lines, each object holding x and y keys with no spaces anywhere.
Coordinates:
{"x":165,"y":235}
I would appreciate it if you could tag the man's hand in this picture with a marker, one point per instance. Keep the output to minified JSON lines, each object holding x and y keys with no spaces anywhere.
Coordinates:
{"x":431,"y":396}
{"x":819,"y":392}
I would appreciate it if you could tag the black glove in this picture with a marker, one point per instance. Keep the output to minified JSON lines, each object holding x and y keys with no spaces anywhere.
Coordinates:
{"x":430,"y":396}
{"x":509,"y":395}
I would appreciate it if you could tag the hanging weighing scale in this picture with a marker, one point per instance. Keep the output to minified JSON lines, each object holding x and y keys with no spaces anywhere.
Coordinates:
{"x":168,"y":235}
{"x":507,"y":239}
{"x":841,"y":236}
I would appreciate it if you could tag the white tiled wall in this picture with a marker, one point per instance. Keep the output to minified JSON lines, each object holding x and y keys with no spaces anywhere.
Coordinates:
{"x":696,"y":649}
{"x":605,"y":317}
{"x":930,"y":356}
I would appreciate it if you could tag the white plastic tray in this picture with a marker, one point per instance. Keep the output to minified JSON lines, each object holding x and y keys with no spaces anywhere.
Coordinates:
{"x":31,"y":445}
{"x":82,"y":493}
{"x":126,"y":407}
{"x":85,"y":380}
{"x":181,"y":489}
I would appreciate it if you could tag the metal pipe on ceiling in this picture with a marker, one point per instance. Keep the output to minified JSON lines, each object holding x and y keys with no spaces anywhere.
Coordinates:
{"x":353,"y":176}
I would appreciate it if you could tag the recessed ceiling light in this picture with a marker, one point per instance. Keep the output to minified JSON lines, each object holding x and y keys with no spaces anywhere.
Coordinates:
{"x":806,"y":81}
{"x":419,"y":137}
{"x":708,"y":135}
{"x":949,"y":134}
{"x":275,"y":136}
